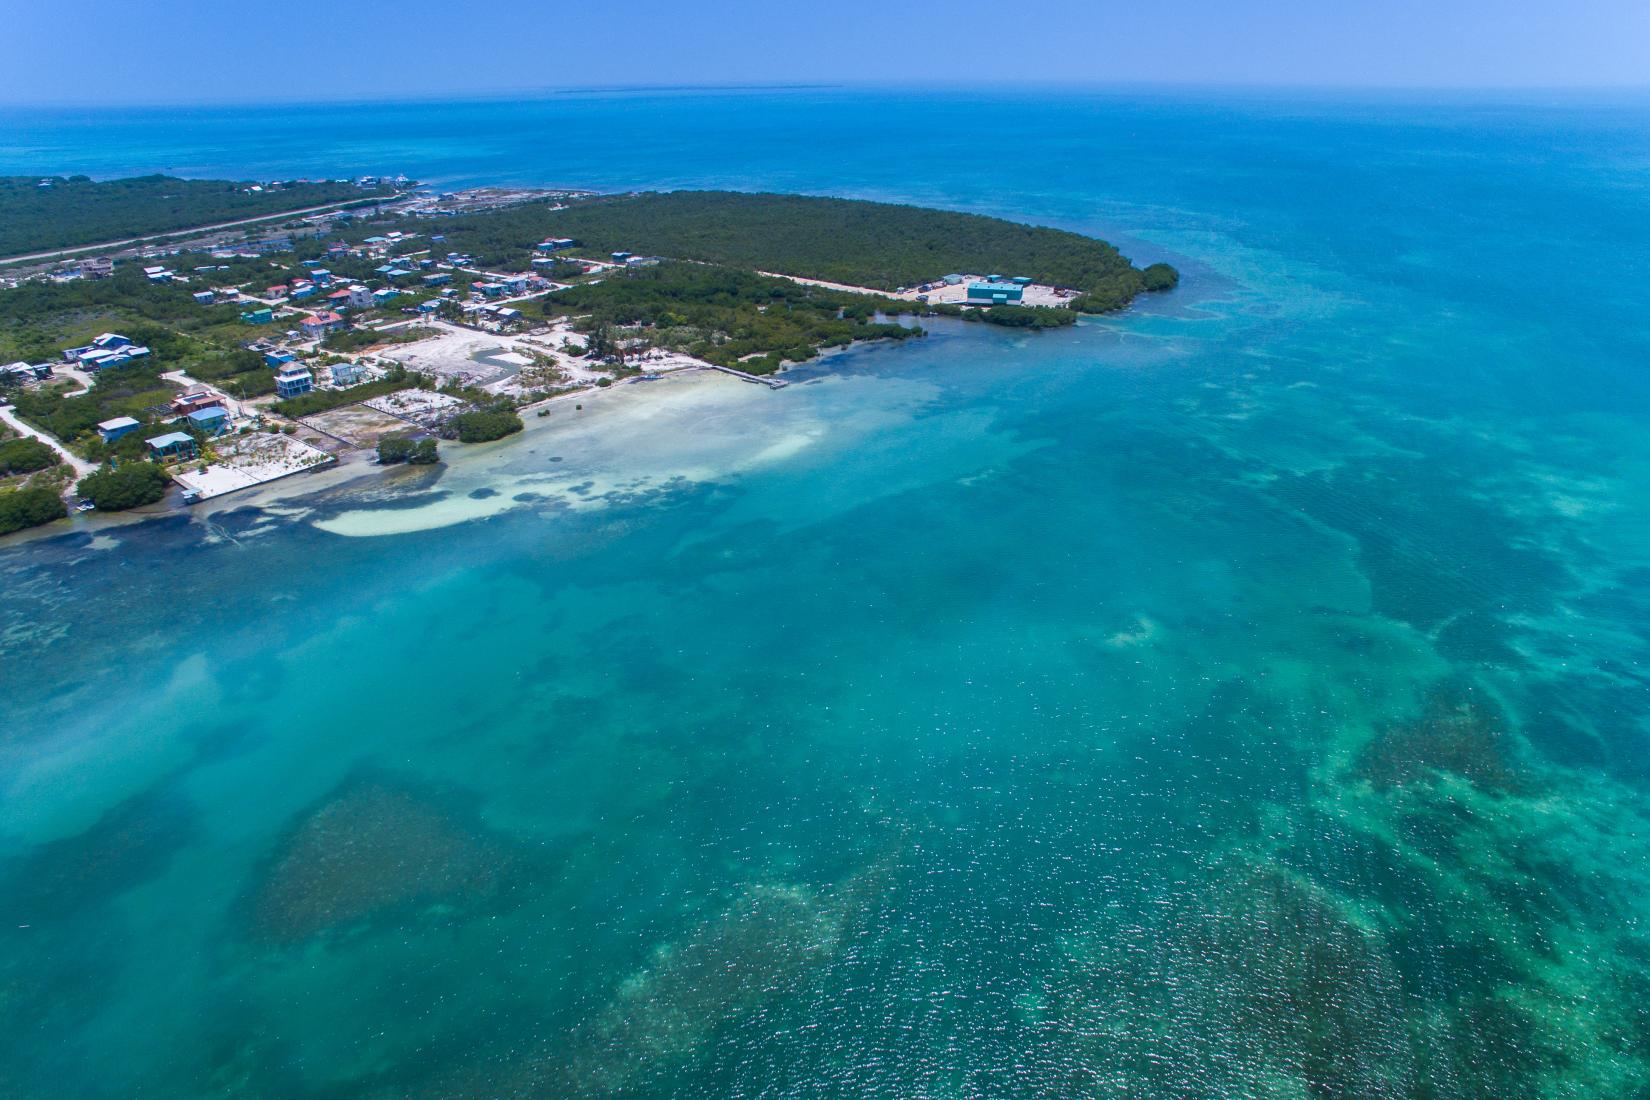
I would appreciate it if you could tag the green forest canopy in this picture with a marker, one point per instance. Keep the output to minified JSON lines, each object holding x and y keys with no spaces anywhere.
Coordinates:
{"x":869,"y":244}
{"x":727,"y":316}
{"x":78,"y":210}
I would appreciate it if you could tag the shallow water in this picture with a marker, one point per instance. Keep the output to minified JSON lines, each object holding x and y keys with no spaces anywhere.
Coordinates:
{"x":1240,"y":697}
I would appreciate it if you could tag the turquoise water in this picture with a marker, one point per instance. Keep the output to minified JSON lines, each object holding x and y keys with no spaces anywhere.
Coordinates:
{"x":1241,"y":697}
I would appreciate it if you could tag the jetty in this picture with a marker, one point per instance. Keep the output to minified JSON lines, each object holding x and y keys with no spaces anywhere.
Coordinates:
{"x":761,"y":380}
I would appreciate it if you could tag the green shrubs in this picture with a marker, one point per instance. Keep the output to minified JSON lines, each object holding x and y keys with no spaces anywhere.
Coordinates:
{"x":29,"y":508}
{"x":399,"y":448}
{"x":25,"y":456}
{"x":393,"y":449}
{"x":129,"y":485}
{"x":1025,"y":317}
{"x":483,"y":426}
{"x":1160,"y":277}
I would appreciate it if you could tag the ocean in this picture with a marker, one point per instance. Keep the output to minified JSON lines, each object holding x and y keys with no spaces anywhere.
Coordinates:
{"x":1242,"y":696}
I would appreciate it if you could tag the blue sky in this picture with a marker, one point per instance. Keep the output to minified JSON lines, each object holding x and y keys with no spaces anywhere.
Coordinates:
{"x":194,"y":51}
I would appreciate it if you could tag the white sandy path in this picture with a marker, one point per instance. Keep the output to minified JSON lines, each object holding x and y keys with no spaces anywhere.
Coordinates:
{"x":81,"y":466}
{"x":1034,"y":295}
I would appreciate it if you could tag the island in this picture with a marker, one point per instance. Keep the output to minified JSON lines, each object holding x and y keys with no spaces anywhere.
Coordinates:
{"x":370,"y":320}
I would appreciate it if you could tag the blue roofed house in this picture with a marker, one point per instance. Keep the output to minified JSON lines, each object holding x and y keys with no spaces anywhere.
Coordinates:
{"x":172,"y":445}
{"x":204,"y":297}
{"x":112,"y":430}
{"x":109,"y":350}
{"x":212,"y":420}
{"x":278,"y":358}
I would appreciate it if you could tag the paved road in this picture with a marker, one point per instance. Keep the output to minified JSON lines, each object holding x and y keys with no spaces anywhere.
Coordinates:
{"x":34,"y":256}
{"x":81,"y":466}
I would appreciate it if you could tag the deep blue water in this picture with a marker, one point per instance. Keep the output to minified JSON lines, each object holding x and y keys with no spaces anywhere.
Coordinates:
{"x":1243,"y":696}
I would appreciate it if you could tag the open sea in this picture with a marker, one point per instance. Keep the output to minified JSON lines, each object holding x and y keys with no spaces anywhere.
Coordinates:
{"x":1244,"y":696}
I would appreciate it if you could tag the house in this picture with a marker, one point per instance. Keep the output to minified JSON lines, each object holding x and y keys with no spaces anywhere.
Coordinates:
{"x":302,"y":290}
{"x":109,"y":350}
{"x":204,"y":297}
{"x":278,"y":358}
{"x":212,"y":420}
{"x":258,"y":316}
{"x":172,"y":445}
{"x":321,"y":324}
{"x":555,"y":244}
{"x":384,"y":294}
{"x":621,"y":257}
{"x":440,"y":278}
{"x":320,"y":276}
{"x":28,"y":372}
{"x":110,"y":341}
{"x":112,"y":430}
{"x":274,"y":291}
{"x":360,"y":298}
{"x":346,"y":374}
{"x":293,"y":380}
{"x":98,"y":360}
{"x":194,"y":400}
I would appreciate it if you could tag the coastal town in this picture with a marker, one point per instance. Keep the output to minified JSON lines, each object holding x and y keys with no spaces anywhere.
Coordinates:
{"x":361,"y":334}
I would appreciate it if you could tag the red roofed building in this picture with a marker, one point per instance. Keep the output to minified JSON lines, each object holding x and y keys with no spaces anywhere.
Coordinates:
{"x":194,"y":401}
{"x":321,"y":324}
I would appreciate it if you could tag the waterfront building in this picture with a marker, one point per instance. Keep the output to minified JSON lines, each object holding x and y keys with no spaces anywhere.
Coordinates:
{"x":994,"y":294}
{"x":173,"y":445}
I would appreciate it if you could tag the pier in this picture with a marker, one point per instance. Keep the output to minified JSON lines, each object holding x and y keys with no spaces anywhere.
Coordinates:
{"x":761,"y":380}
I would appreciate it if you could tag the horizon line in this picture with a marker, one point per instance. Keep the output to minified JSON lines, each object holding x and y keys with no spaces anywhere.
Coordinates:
{"x":549,"y":92}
